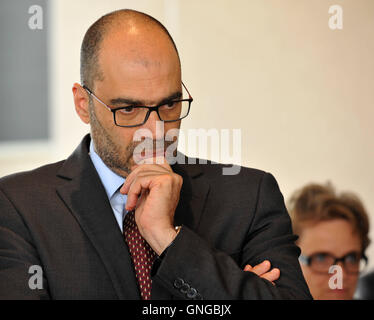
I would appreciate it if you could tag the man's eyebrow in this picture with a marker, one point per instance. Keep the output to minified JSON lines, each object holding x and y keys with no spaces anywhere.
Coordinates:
{"x":127,"y":101}
{"x":174,"y":96}
{"x":132,"y":102}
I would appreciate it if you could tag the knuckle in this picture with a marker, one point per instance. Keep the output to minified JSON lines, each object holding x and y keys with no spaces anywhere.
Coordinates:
{"x":167,"y":178}
{"x":134,"y":182}
{"x":180,"y":179}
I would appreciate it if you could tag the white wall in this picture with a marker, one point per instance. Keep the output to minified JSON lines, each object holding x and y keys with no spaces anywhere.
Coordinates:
{"x":301,"y":94}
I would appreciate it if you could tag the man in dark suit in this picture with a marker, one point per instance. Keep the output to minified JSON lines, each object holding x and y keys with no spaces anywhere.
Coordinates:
{"x":92,"y":226}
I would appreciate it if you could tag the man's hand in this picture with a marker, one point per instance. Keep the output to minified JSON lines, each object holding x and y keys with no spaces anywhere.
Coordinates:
{"x":262,"y":270}
{"x":153,"y":192}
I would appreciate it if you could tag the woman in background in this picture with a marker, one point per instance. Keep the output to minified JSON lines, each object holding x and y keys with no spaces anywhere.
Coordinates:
{"x":333,"y":230}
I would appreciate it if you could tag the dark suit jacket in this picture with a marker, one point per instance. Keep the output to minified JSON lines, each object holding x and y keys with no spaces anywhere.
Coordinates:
{"x":365,"y":287}
{"x":59,"y":217}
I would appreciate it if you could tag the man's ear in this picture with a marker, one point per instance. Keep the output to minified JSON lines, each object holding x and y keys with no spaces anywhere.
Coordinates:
{"x":81,"y":101}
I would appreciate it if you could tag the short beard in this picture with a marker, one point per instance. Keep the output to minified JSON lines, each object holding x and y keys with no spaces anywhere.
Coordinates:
{"x":113,"y":156}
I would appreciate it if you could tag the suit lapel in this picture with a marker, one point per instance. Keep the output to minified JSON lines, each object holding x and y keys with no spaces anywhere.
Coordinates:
{"x":85,"y":196}
{"x":193,"y":195}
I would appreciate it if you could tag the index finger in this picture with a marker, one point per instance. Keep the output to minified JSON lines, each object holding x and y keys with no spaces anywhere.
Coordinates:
{"x":143,"y":167}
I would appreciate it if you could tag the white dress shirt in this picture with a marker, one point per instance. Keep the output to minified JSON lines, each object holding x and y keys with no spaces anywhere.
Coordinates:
{"x":112,"y":183}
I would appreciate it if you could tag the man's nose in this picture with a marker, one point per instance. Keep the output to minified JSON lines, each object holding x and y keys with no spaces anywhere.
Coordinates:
{"x":155,"y":125}
{"x":343,"y":266}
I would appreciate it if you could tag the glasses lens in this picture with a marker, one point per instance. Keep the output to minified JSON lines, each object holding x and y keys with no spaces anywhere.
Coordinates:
{"x":130,"y":116}
{"x":352,"y":262}
{"x":355,"y":263}
{"x":321,"y":262}
{"x":174,"y":110}
{"x":133,"y":116}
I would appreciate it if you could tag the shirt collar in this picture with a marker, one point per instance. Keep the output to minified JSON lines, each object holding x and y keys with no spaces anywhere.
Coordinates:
{"x":111,"y":181}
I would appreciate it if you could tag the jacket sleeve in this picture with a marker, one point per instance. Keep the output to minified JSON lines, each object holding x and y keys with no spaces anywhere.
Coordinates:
{"x":20,"y":267}
{"x":192,"y":269}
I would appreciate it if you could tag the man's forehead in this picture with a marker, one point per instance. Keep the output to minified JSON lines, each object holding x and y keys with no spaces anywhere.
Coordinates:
{"x":136,"y":57}
{"x":146,"y":62}
{"x":139,"y":64}
{"x":137,"y":38}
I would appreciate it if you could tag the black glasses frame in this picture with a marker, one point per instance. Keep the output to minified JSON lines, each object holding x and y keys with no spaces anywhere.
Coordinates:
{"x":307,"y":260}
{"x":150,"y":108}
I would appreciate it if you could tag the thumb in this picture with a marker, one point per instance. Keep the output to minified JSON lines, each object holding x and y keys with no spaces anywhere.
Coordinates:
{"x":248,"y":267}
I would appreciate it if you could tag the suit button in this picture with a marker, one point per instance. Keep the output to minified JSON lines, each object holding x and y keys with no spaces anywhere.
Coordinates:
{"x":178,"y":283}
{"x":185,"y":287}
{"x":191,"y":293}
{"x":198,"y":297}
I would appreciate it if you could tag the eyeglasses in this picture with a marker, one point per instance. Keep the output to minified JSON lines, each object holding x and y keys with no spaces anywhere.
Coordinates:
{"x":321,"y":262}
{"x":135,"y":115}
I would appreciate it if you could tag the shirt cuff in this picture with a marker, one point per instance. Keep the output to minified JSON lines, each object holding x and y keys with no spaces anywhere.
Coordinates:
{"x":158,"y":260}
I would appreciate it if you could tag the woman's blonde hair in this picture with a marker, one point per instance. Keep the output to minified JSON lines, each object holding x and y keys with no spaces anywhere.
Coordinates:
{"x":314,"y":203}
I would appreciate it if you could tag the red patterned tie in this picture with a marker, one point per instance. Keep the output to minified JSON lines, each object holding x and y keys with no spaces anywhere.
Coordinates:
{"x":142,"y":255}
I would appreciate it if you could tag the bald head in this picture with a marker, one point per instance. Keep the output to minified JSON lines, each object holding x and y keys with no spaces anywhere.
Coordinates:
{"x":129,"y":32}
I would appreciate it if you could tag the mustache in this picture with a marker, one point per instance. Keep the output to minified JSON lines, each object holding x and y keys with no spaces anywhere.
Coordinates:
{"x":152,"y":151}
{"x":150,"y":145}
